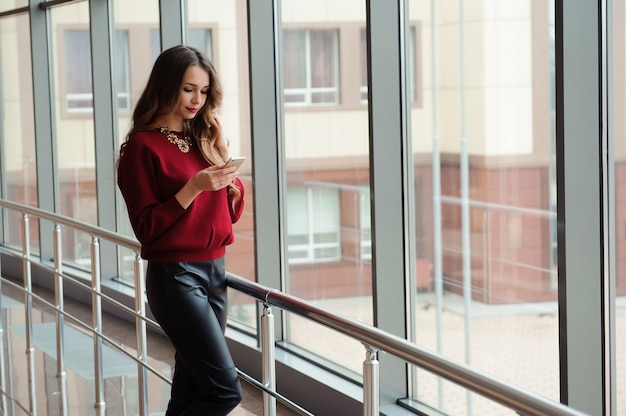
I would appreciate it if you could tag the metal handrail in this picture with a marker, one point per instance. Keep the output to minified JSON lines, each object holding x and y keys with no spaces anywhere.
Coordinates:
{"x":373,"y":338}
{"x":508,"y":395}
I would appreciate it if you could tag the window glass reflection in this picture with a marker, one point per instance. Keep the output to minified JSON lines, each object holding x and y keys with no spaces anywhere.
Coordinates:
{"x":17,"y":156}
{"x":327,"y":196}
{"x":310,"y":66}
{"x":483,"y":141}
{"x":79,"y":96}
{"x":74,"y":129}
{"x":136,"y":42}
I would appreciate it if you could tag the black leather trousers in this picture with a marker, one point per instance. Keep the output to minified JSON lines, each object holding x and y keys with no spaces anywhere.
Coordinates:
{"x":188,"y":300}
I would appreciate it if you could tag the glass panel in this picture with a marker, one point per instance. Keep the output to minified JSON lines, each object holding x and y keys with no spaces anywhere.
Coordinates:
{"x":294,"y":65}
{"x":8,"y":5}
{"x":122,"y":70}
{"x":71,"y":60}
{"x":136,"y":41}
{"x":327,"y":200}
{"x":617,"y":91}
{"x":155,"y":46}
{"x":363,"y":60}
{"x":485,"y":265}
{"x":77,"y":64}
{"x":227,"y":43}
{"x":78,"y":90}
{"x":313,"y":226}
{"x":310,"y":66}
{"x":411,"y":62}
{"x":17,"y":150}
{"x":201,"y":39}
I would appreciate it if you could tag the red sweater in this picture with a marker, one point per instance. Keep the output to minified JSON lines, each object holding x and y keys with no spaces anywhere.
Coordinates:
{"x":150,"y":172}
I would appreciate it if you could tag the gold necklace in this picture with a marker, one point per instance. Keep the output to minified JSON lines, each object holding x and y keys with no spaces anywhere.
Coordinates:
{"x":183,"y":144}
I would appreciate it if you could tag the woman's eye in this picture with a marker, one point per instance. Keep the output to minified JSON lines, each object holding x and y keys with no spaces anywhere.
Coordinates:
{"x":204,"y":92}
{"x":187,"y":90}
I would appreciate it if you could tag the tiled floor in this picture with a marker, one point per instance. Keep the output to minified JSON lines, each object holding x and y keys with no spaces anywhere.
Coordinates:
{"x":119,"y":370}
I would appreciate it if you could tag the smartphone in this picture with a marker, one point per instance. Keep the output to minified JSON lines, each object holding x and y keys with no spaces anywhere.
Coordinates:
{"x":234,"y":161}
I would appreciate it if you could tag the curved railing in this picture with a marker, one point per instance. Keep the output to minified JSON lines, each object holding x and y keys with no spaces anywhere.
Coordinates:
{"x":373,"y":339}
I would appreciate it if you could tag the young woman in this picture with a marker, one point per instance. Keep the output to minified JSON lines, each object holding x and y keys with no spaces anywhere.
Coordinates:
{"x":182,"y":203}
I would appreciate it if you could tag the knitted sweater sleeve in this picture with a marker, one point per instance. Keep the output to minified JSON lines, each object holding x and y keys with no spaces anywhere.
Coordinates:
{"x":151,"y":213}
{"x":236,"y":209}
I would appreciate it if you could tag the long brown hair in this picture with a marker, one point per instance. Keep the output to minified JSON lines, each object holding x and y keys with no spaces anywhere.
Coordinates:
{"x":161,"y":96}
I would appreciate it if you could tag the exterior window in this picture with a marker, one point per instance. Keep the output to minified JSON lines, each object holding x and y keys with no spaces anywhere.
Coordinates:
{"x":411,"y":61}
{"x":122,"y":71}
{"x":78,"y":91}
{"x":311,"y":67}
{"x":366,"y":225}
{"x":363,"y":89}
{"x":201,"y":40}
{"x":313,"y":225}
{"x":155,"y":45}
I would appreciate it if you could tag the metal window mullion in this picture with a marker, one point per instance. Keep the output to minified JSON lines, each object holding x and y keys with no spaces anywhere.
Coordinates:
{"x":266,"y":108}
{"x":582,"y":206}
{"x":610,"y":293}
{"x":172,"y":17}
{"x":389,"y":183}
{"x":102,"y":35}
{"x":44,"y":123}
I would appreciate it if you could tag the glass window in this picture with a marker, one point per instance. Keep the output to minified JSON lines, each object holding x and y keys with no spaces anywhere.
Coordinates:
{"x":201,"y":40}
{"x":10,"y":5}
{"x":363,"y":56}
{"x":122,"y":70}
{"x":79,"y":96}
{"x":17,"y":150}
{"x":310,"y":67}
{"x":74,"y":136}
{"x":77,"y":67}
{"x":328,"y":176}
{"x":365,"y":223}
{"x":137,"y":46}
{"x":485,"y":270}
{"x":219,"y":29}
{"x":155,"y":45}
{"x":313,"y":225}
{"x":411,"y":61}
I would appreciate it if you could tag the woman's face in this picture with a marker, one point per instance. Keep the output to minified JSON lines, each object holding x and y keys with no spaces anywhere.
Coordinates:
{"x":193,"y":92}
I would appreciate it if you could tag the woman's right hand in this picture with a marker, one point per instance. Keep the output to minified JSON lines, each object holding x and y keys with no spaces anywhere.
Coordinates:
{"x":212,"y":178}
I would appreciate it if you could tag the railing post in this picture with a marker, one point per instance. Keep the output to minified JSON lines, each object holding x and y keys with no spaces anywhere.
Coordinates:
{"x":60,"y":319}
{"x":28,"y":303}
{"x":269,"y":359}
{"x":371,"y":382}
{"x":140,"y":329}
{"x":96,"y":313}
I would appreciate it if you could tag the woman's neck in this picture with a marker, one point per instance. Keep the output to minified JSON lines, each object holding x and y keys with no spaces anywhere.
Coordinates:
{"x":172,"y":123}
